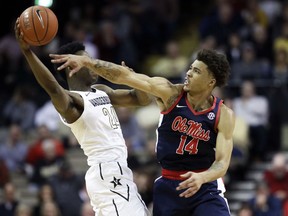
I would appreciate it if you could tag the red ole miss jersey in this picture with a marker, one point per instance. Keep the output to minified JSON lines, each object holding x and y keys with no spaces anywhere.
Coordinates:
{"x":186,"y":139}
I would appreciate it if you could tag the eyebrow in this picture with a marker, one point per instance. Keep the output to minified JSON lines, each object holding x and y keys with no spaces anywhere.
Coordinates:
{"x":195,"y":68}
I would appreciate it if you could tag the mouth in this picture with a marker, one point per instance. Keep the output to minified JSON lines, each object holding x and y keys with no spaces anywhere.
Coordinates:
{"x":186,"y":81}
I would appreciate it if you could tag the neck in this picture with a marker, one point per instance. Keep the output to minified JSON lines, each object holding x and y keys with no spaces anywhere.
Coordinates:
{"x":79,"y":86}
{"x":201,"y":101}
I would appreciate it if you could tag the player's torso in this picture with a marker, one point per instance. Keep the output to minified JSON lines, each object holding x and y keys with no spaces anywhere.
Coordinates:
{"x":186,"y":139}
{"x":98,"y":130}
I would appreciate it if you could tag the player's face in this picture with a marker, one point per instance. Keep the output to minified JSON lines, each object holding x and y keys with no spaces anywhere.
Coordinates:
{"x":198,"y":78}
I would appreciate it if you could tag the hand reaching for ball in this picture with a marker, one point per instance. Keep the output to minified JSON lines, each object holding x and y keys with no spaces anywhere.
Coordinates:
{"x":19,"y":36}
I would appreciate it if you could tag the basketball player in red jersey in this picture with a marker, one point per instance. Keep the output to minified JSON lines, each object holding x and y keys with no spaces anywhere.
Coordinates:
{"x":194,"y":137}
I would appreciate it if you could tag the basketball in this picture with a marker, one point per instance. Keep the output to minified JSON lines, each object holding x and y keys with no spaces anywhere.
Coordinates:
{"x":39,"y":25}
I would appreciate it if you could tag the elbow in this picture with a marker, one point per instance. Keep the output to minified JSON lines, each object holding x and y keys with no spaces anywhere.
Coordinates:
{"x":145,"y":102}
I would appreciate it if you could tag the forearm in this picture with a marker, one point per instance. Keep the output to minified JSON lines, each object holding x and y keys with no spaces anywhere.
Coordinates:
{"x":142,"y":97}
{"x":217,"y":170}
{"x":43,"y":76}
{"x":110,"y":71}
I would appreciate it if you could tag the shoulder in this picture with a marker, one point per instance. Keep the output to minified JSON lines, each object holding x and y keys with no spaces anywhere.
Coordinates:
{"x":226,"y":112}
{"x":227,"y":119}
{"x":171,"y":96}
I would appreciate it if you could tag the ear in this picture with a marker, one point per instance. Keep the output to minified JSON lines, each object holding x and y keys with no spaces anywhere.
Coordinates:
{"x":212,"y":82}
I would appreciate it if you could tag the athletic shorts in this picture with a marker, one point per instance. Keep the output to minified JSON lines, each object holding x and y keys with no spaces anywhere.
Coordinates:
{"x":209,"y":200}
{"x":112,"y":191}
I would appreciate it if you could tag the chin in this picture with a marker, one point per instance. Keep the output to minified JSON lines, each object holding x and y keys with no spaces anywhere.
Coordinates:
{"x":185,"y":88}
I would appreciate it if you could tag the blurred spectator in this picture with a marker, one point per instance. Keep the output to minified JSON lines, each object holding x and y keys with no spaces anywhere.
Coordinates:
{"x":264,"y":203}
{"x":167,"y":14}
{"x":221,"y":23}
{"x":254,"y":109}
{"x":277,"y":177}
{"x":253,"y":14}
{"x":241,"y":143}
{"x":36,"y":150}
{"x":271,"y":8}
{"x":233,"y":51}
{"x":281,"y":40}
{"x":10,"y":202}
{"x":208,"y":42}
{"x":48,"y":116}
{"x":20,"y":109}
{"x":148,"y":119}
{"x":47,"y":166}
{"x":262,"y":43}
{"x":278,"y":118}
{"x":249,"y":67}
{"x":45,"y":194}
{"x":107,"y":41}
{"x":50,"y":209}
{"x":132,"y":133}
{"x":23,"y":210}
{"x":82,"y":34}
{"x":173,"y":65}
{"x":154,"y":24}
{"x":4,"y":173}
{"x":10,"y":59}
{"x":144,"y":179}
{"x":66,"y":185}
{"x":118,"y":12}
{"x":245,"y":210}
{"x":280,"y":67}
{"x":14,"y":149}
{"x":282,"y":17}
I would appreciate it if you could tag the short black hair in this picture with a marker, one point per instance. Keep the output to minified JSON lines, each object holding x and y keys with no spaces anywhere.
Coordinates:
{"x":69,"y":48}
{"x":217,"y":64}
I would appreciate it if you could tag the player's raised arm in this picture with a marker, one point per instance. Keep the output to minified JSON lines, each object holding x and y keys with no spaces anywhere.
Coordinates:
{"x":59,"y":96}
{"x":157,"y":86}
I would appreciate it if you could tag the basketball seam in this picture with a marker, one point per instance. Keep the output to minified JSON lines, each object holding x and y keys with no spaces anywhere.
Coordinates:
{"x":47,"y":23}
{"x":34,"y":28}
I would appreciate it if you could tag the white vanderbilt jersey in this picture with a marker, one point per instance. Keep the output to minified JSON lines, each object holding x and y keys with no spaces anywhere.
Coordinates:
{"x":98,"y":130}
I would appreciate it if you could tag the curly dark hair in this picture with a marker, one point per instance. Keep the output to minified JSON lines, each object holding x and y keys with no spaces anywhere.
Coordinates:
{"x":217,"y":64}
{"x":69,"y":48}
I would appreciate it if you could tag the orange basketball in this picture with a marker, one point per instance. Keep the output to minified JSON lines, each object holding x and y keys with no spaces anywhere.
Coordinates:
{"x":39,"y":25}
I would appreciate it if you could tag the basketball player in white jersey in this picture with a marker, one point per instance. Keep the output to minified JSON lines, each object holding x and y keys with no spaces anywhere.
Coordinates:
{"x":91,"y":116}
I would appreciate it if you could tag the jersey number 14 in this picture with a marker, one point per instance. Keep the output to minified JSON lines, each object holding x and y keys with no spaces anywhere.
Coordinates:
{"x":191,"y":147}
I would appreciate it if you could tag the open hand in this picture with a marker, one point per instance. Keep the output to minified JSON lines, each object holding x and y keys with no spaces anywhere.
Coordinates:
{"x":72,"y":62}
{"x":192,"y":183}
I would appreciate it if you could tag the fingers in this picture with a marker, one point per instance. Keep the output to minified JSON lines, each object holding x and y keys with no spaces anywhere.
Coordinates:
{"x":58,"y":58}
{"x":189,"y":192}
{"x":189,"y":184}
{"x":186,"y":184}
{"x":123,"y":64}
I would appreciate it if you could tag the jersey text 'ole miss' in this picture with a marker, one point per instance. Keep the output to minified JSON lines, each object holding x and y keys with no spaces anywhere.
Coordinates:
{"x":186,"y":139}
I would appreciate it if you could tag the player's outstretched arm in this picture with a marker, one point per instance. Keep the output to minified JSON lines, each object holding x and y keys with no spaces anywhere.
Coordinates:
{"x":44,"y":77}
{"x":157,"y":86}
